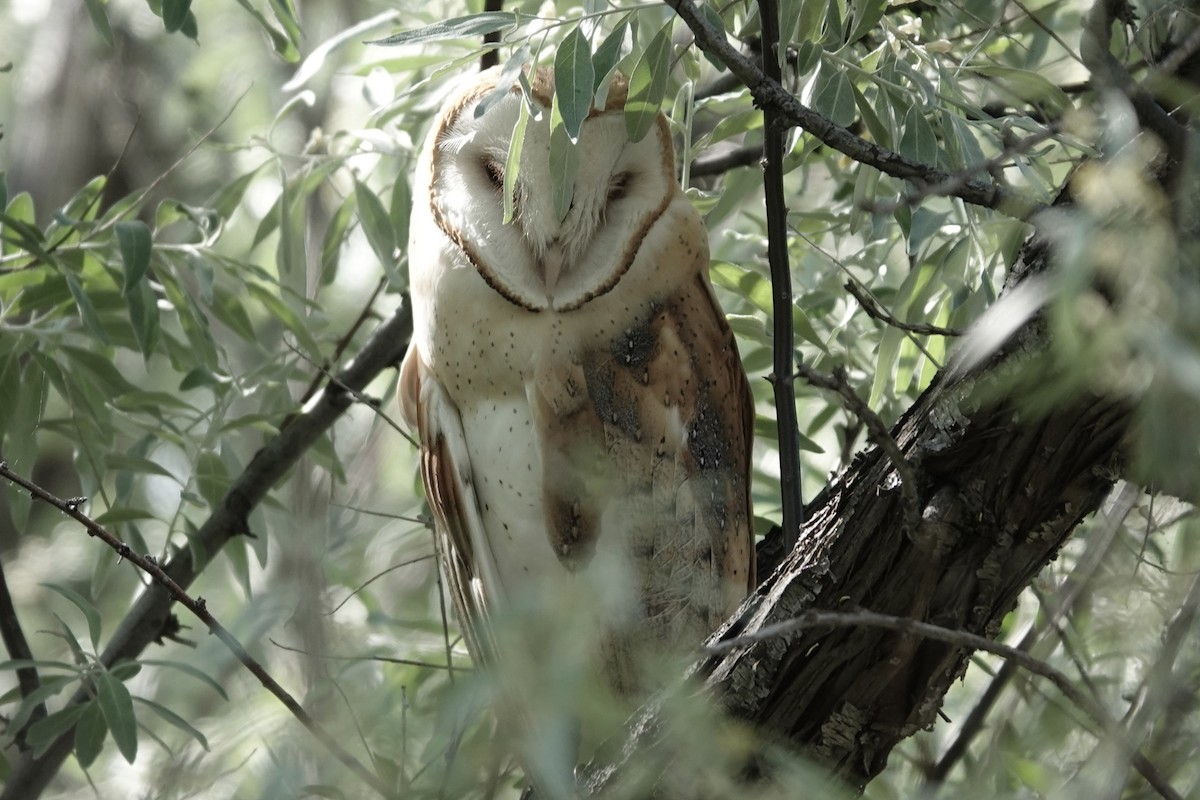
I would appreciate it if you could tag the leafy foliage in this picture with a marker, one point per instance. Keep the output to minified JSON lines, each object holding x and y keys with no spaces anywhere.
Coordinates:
{"x":167,"y":318}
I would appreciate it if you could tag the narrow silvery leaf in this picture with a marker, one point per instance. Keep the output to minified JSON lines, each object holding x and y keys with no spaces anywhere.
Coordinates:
{"x":573,"y":81}
{"x":648,"y":85}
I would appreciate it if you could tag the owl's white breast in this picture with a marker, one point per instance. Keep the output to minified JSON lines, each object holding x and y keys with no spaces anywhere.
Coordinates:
{"x":487,"y":352}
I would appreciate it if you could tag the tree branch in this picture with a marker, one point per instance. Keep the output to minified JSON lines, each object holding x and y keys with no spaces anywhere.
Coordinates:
{"x":146,"y":620}
{"x":1107,"y":71}
{"x":782,"y":378}
{"x":770,"y":93}
{"x":199,"y":608}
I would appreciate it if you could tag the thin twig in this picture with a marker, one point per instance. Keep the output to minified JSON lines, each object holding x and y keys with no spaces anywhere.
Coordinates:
{"x":385,"y":659}
{"x":782,"y":378}
{"x":967,"y":640}
{"x":199,"y":608}
{"x":370,"y":402}
{"x":877,"y":432}
{"x":720,"y":163}
{"x":339,"y":349}
{"x":18,"y":649}
{"x":771,"y":94}
{"x":871,"y":306}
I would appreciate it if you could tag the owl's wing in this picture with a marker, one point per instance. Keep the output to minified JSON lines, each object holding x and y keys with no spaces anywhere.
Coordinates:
{"x":463,"y":549}
{"x":650,"y":433}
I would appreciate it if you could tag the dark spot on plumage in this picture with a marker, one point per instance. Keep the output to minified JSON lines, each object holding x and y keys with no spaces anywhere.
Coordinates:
{"x":706,"y":439}
{"x":635,"y":346}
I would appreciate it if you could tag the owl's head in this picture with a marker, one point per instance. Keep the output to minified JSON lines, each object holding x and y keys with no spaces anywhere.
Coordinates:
{"x":541,"y":260}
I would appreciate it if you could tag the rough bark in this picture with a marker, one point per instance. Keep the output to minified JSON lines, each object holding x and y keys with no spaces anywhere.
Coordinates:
{"x":999,"y":490}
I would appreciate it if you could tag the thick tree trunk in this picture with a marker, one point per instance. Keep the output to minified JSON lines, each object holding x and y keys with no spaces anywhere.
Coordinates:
{"x":998,"y":491}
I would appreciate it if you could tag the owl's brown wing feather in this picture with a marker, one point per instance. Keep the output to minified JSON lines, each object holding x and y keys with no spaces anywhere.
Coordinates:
{"x":446,"y":472}
{"x":647,"y":435}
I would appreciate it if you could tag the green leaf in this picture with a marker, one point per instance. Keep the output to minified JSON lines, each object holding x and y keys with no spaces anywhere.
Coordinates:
{"x":867,"y":14}
{"x":564,"y":163}
{"x":285,"y":13}
{"x":376,"y":224}
{"x":648,"y":85}
{"x":49,"y":688}
{"x":833,"y":95}
{"x":90,"y":612}
{"x":290,"y":252}
{"x":117,"y":705}
{"x":107,"y":376}
{"x":284,"y":314}
{"x":90,"y":734}
{"x":918,"y":142}
{"x":717,"y":22}
{"x":230,"y":196}
{"x":513,"y":163}
{"x":335,"y":237}
{"x":175,"y":14}
{"x":469,"y":27}
{"x":133,"y":463}
{"x":400,"y":209}
{"x":99,"y":17}
{"x":283,"y":46}
{"x":615,"y":47}
{"x":574,"y":77}
{"x":211,"y":478}
{"x":174,"y":719}
{"x":135,"y":242}
{"x":87,"y":311}
{"x":1027,"y":86}
{"x":143,"y":318}
{"x":46,"y":730}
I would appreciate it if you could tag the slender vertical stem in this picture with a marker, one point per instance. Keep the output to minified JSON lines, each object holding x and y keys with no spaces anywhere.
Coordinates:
{"x":783,"y":378}
{"x":18,"y":649}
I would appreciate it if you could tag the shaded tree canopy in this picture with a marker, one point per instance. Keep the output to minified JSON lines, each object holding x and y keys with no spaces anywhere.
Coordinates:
{"x":957,"y":245}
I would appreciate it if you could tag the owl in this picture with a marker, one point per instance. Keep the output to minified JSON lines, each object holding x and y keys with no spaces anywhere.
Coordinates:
{"x":575,"y":386}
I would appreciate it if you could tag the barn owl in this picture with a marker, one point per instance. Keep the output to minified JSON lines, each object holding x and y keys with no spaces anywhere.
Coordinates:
{"x":576,"y":388}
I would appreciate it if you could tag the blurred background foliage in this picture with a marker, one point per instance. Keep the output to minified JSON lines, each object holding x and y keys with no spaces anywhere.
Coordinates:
{"x":208,"y":205}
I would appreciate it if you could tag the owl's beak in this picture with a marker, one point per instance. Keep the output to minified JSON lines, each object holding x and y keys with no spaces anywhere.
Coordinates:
{"x":552,"y":263}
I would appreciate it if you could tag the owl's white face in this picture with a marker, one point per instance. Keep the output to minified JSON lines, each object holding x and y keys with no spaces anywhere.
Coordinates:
{"x":538,"y":261}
